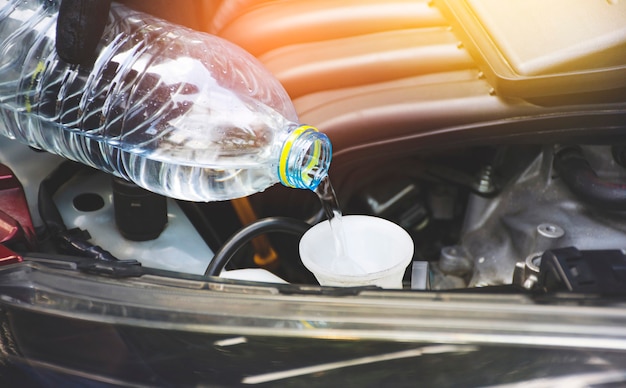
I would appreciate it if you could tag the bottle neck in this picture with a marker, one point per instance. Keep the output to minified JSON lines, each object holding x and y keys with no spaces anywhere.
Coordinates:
{"x":304,"y":158}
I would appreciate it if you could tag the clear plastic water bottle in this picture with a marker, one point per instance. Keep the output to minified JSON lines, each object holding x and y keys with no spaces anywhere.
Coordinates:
{"x":178,"y":112}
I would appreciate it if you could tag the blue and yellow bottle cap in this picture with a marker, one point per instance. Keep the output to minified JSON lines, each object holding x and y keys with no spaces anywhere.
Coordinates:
{"x":313,"y":161}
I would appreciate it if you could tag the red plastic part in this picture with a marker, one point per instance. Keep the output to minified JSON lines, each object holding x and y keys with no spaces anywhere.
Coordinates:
{"x":7,"y":256}
{"x":15,"y":221}
{"x":10,"y":229}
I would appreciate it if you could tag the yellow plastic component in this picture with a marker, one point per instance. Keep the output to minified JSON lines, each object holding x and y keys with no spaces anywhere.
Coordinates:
{"x":265,"y":256}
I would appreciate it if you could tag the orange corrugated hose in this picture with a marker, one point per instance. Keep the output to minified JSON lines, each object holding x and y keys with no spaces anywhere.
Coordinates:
{"x":261,"y":26}
{"x":318,"y":45}
{"x":191,"y":13}
{"x":228,"y":10}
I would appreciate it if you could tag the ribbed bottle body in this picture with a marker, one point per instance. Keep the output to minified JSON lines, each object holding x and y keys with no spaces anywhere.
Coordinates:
{"x":178,"y":112}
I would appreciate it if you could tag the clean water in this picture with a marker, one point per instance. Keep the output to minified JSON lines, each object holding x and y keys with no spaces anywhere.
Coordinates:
{"x":342,"y":262}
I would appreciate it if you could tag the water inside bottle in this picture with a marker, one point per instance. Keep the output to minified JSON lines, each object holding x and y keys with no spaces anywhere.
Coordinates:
{"x":342,"y":262}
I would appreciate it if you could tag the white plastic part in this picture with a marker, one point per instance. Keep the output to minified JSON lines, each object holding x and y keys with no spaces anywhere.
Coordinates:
{"x":382,"y":248}
{"x":178,"y":248}
{"x":540,"y":37}
{"x":252,"y":274}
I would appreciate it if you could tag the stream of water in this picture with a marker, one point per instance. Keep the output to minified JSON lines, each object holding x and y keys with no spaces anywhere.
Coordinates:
{"x":342,"y":262}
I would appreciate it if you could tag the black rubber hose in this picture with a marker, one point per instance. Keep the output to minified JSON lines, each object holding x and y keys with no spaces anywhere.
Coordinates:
{"x":243,"y":236}
{"x":582,"y":180}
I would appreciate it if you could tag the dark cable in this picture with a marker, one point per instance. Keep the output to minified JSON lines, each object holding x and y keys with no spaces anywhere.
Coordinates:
{"x":238,"y":240}
{"x":582,"y":180}
{"x":47,"y":208}
{"x":73,"y":241}
{"x":199,"y":219}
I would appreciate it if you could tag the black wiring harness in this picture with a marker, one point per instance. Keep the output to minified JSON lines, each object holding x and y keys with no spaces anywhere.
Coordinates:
{"x":69,"y":241}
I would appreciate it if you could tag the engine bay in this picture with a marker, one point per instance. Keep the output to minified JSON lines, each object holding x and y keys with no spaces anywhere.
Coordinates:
{"x":492,"y":133}
{"x":494,"y":155}
{"x":479,"y":217}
